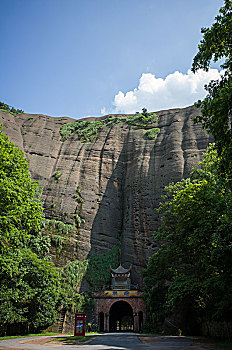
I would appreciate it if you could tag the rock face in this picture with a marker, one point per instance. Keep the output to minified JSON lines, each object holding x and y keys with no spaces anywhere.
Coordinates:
{"x":122,"y":175}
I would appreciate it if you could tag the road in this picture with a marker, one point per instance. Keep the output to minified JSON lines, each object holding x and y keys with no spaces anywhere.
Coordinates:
{"x":107,"y":341}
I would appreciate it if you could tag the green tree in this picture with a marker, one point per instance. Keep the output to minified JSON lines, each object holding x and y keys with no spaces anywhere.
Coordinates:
{"x":216,"y":114}
{"x":29,"y":283}
{"x":20,"y":214}
{"x":29,"y":292}
{"x":188,"y":274}
{"x":12,"y":110}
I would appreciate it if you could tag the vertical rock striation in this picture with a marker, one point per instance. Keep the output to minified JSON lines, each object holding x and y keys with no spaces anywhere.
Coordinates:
{"x":121,"y":176}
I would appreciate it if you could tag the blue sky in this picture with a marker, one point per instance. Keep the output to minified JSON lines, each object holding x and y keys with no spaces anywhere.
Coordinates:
{"x":74,"y":57}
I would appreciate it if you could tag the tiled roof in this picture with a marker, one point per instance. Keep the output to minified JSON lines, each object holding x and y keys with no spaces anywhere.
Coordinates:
{"x":120,"y":270}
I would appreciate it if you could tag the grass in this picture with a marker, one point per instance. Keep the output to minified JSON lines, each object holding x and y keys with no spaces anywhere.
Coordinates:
{"x":27,"y":335}
{"x":43,"y":335}
{"x":71,"y":339}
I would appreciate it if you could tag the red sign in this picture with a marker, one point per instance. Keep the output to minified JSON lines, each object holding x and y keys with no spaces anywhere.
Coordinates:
{"x":79,"y":324}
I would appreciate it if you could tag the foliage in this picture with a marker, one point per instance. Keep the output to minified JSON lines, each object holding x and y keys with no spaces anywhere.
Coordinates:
{"x":57,"y":175}
{"x":98,"y":272}
{"x":12,"y":110}
{"x":29,"y":283}
{"x":192,"y":268}
{"x":95,"y":270}
{"x":58,"y":233}
{"x":71,"y":278}
{"x":217,"y":41}
{"x":85,"y":302}
{"x":29,"y":290}
{"x":21,"y":214}
{"x":52,"y":226}
{"x":152,"y":133}
{"x":216,"y":110}
{"x":87,"y":130}
{"x":190,"y":274}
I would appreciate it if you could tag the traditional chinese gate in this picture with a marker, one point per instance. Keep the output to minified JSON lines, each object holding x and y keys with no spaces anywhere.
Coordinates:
{"x":120,"y":307}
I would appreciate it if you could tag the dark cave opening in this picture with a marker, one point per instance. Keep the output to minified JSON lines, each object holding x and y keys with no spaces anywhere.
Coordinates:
{"x":121,"y":317}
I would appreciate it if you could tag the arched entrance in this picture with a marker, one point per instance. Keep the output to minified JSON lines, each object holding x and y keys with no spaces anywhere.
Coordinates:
{"x":121,"y":317}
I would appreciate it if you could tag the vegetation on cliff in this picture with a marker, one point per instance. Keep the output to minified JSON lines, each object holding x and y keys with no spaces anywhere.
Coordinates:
{"x":87,"y":130}
{"x":59,"y":234}
{"x":98,"y":273}
{"x":71,"y":278}
{"x":6,"y":108}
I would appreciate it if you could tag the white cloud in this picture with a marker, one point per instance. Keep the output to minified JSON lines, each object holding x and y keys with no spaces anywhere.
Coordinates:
{"x":103,"y":110}
{"x":175,"y":91}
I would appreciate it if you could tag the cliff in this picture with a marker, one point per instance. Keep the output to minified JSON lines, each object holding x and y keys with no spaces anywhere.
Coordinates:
{"x":120,"y":176}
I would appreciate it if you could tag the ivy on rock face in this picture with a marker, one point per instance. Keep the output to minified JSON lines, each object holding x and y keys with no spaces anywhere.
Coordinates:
{"x":98,"y":272}
{"x":71,"y":278}
{"x":59,"y":234}
{"x":87,"y":130}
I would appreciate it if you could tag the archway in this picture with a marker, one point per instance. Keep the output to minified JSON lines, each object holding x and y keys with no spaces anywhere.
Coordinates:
{"x":121,"y":317}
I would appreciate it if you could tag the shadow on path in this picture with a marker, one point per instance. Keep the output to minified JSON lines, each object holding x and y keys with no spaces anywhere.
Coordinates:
{"x":107,"y":341}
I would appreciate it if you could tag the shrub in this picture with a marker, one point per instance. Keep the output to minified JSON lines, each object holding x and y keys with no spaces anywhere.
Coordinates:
{"x":152,"y":133}
{"x":57,"y":175}
{"x":88,"y":130}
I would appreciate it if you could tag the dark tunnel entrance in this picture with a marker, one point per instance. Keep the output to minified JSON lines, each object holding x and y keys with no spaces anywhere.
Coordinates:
{"x":101,"y":321}
{"x":121,"y":317}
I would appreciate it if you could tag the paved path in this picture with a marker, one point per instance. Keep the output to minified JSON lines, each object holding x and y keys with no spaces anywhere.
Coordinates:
{"x":107,"y":341}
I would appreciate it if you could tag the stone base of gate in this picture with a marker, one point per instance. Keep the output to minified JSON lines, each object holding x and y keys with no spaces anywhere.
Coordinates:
{"x":103,"y":306}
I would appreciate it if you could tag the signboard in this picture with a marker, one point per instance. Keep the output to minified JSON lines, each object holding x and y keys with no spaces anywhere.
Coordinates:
{"x":121,"y":293}
{"x":79,"y":324}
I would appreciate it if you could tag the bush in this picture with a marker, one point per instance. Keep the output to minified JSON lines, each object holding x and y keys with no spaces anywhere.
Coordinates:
{"x":152,"y":133}
{"x":10,"y":109}
{"x":57,"y":175}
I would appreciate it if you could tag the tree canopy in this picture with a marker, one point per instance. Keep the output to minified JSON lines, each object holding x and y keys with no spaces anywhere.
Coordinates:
{"x":190,"y":275}
{"x":189,"y":278}
{"x":29,"y":282}
{"x":12,"y":110}
{"x":216,"y":113}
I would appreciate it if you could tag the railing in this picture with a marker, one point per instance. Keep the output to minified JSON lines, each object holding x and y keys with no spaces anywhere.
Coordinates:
{"x":118,"y":287}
